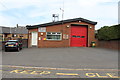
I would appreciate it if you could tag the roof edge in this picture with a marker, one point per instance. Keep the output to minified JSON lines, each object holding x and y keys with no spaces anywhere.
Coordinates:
{"x":61,"y":22}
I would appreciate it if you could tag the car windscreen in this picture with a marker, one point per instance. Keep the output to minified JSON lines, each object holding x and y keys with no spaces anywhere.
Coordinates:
{"x":11,"y":42}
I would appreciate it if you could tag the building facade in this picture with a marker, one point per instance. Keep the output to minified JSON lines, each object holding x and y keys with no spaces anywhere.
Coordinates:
{"x":77,"y":32}
{"x":9,"y":33}
{"x":13,"y":33}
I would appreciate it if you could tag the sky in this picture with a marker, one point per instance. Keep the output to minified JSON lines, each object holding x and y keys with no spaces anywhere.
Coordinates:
{"x":33,"y":12}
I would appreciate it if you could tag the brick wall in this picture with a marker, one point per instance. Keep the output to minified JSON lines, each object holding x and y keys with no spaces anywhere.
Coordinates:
{"x":64,"y":30}
{"x":112,"y":44}
{"x":23,"y":36}
{"x":54,"y":43}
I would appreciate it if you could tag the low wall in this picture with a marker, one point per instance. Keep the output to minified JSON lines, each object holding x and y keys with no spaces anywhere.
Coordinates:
{"x":112,"y":44}
{"x":24,"y":43}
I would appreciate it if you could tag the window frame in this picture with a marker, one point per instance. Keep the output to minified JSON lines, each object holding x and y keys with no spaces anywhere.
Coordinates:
{"x":54,"y":34}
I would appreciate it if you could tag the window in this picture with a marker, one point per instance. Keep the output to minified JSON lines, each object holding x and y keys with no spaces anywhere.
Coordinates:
{"x":82,"y":36}
{"x":78,"y":36}
{"x":53,"y":36}
{"x":21,"y":35}
{"x":5,"y":35}
{"x":74,"y":36}
{"x":14,"y":35}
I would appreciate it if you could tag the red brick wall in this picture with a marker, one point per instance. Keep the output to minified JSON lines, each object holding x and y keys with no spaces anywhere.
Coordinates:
{"x":113,"y":44}
{"x":55,"y":43}
{"x":64,"y":30}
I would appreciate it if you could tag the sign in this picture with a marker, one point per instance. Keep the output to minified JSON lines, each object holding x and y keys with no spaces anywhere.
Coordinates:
{"x":42,"y":29}
{"x":44,"y":38}
{"x":65,"y":36}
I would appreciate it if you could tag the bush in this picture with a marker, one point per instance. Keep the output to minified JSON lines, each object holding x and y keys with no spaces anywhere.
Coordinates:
{"x":109,"y":32}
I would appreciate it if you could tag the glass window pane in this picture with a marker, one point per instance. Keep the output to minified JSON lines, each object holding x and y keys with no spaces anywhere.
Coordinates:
{"x":82,"y":36}
{"x":49,"y":37}
{"x":53,"y":36}
{"x":48,"y":32}
{"x":78,"y":36}
{"x":74,"y":36}
{"x":53,"y":33}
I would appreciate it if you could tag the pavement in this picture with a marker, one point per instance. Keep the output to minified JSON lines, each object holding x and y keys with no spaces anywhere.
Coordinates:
{"x":73,"y":62}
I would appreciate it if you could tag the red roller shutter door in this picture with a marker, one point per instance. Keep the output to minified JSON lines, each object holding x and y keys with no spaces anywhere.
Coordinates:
{"x":78,"y":36}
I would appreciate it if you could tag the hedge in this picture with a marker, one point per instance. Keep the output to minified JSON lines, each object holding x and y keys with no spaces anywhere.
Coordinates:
{"x":109,"y":32}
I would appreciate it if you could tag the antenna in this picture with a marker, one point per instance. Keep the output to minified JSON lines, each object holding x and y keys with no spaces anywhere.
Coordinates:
{"x":62,"y":9}
{"x":62,"y":13}
{"x":55,"y":17}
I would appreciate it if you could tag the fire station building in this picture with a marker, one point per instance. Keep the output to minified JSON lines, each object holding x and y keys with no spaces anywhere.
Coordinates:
{"x":77,"y":32}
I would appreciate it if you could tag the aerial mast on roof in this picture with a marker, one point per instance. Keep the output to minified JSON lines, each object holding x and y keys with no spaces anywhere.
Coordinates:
{"x":62,"y":9}
{"x":62,"y":13}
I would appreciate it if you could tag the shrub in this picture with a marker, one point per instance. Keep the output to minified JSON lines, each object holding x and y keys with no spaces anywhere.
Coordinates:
{"x":109,"y":32}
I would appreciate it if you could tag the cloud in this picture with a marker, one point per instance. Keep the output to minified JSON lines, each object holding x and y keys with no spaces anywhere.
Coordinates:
{"x":94,"y":2}
{"x":6,"y":22}
{"x":40,"y":11}
{"x":105,"y":12}
{"x":10,"y":4}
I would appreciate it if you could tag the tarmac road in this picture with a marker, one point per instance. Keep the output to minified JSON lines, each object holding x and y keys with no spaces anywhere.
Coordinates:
{"x":60,"y":63}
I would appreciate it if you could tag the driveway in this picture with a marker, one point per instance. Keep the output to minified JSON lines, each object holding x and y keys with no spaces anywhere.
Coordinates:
{"x":63,"y":58}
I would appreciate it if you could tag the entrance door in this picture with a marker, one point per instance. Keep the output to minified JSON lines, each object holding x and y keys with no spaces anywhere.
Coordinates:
{"x":78,"y":36}
{"x":34,"y":38}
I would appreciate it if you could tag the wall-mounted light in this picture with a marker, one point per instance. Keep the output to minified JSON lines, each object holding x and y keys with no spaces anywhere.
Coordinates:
{"x":90,"y":27}
{"x":41,"y":34}
{"x":79,"y":21}
{"x":67,"y":26}
{"x":15,"y":35}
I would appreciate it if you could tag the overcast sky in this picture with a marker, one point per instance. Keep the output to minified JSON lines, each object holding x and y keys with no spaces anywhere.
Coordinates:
{"x":31,"y":12}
